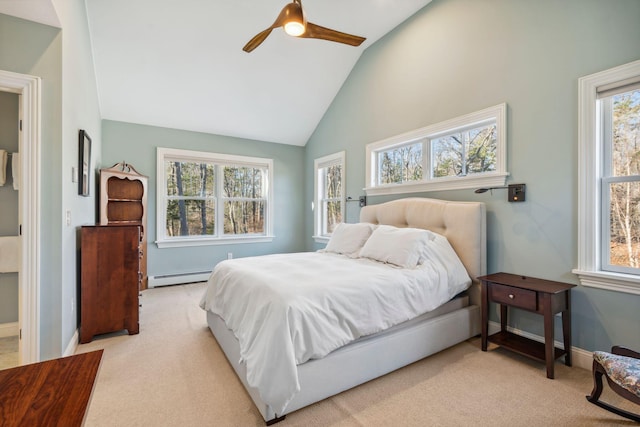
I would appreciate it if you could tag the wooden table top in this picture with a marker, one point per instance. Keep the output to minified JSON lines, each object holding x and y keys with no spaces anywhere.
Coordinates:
{"x":51,"y":393}
{"x":527,"y":282}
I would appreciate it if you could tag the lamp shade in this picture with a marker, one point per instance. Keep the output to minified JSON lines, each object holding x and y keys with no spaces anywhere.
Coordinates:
{"x":294,"y":22}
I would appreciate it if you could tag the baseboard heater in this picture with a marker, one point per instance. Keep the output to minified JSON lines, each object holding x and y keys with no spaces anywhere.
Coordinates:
{"x":178,"y":278}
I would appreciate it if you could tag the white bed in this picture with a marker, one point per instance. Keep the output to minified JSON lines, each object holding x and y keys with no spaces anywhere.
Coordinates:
{"x":368,"y":357}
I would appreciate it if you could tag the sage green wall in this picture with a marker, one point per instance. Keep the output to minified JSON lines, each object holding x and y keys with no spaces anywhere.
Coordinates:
{"x":459,"y":56}
{"x":8,"y":203}
{"x":63,"y":60}
{"x":137,"y":144}
{"x":80,"y":111}
{"x":35,"y":49}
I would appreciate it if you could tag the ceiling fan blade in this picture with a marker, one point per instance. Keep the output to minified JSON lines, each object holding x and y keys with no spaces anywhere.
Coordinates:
{"x":317,"y":32}
{"x":257,"y":40}
{"x":291,"y":9}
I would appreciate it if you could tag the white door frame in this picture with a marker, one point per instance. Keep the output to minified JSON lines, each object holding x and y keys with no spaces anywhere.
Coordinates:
{"x":29,"y":87}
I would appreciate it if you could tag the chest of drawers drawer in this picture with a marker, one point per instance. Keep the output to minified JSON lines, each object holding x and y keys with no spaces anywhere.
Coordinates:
{"x":514,"y":297}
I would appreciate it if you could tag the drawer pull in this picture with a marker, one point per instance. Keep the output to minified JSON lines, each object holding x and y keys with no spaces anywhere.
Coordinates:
{"x":511,"y":296}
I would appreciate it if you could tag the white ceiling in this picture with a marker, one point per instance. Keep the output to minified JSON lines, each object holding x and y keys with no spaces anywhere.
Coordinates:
{"x":180,"y":64}
{"x":41,"y":11}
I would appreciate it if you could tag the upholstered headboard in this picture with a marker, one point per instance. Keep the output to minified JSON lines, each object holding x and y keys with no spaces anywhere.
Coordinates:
{"x":462,"y":223}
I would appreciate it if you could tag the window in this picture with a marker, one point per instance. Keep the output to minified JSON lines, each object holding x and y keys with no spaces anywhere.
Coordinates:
{"x":207,"y":198}
{"x":329,"y":194}
{"x":609,"y":179}
{"x":465,"y":152}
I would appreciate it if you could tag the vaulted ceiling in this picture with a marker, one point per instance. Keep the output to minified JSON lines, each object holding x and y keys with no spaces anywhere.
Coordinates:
{"x":180,"y":63}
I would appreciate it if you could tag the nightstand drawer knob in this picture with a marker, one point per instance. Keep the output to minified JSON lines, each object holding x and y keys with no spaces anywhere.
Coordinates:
{"x":511,"y":296}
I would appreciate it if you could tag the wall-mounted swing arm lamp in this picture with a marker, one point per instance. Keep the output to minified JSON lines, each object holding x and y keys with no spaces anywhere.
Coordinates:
{"x":362,"y":200}
{"x":516,"y":192}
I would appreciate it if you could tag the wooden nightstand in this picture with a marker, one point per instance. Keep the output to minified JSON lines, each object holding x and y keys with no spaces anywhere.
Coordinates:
{"x":540,"y":296}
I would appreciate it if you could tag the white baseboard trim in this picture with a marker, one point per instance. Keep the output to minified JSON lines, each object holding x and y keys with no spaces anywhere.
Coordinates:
{"x":579,"y":358}
{"x":10,"y":329}
{"x":178,"y":279}
{"x":72,"y":346}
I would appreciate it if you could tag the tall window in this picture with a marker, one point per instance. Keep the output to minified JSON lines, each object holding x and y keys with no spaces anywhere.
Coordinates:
{"x":465,"y":152}
{"x":620,"y":117}
{"x":329,"y":194}
{"x":609,"y":179}
{"x":208,"y":198}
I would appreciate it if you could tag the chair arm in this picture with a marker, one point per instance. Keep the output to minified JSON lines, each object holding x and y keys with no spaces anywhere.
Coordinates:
{"x":622,"y":351}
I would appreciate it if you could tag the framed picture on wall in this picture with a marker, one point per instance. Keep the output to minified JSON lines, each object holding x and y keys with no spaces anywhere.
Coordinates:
{"x":84,"y":163}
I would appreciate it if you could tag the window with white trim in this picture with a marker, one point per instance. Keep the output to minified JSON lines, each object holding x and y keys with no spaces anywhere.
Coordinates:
{"x":609,"y":179}
{"x":465,"y":152}
{"x":208,"y":198}
{"x":329,"y":190}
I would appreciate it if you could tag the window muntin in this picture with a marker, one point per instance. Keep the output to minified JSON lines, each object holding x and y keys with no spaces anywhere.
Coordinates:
{"x":209,"y":198}
{"x":620,"y":119}
{"x":465,"y":152}
{"x":329,"y":194}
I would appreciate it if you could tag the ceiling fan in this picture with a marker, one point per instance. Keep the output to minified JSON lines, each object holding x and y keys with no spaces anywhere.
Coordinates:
{"x":292,"y":19}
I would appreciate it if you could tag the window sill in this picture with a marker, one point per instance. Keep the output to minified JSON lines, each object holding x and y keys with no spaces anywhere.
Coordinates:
{"x":618,"y":282}
{"x":322,"y":239}
{"x":180,"y":243}
{"x":454,"y":183}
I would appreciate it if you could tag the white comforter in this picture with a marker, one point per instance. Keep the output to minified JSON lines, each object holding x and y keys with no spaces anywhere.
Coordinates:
{"x":286,"y":309}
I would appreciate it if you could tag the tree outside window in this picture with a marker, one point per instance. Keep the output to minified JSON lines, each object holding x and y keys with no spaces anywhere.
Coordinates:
{"x":190,"y":198}
{"x":462,"y":153}
{"x":469,"y":151}
{"x":244,"y":200}
{"x":622,"y":180}
{"x":329,"y":197}
{"x":608,"y":179}
{"x":204,"y":198}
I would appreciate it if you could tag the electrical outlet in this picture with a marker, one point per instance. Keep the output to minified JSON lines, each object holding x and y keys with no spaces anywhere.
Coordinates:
{"x":68,"y":217}
{"x":73,"y":305}
{"x":229,"y":255}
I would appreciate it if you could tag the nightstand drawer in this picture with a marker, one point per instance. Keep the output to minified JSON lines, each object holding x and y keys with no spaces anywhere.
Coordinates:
{"x":515,"y":297}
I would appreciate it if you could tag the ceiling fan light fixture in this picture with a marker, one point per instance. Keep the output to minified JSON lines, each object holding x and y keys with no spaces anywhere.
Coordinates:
{"x":294,"y":28}
{"x":293,"y":21}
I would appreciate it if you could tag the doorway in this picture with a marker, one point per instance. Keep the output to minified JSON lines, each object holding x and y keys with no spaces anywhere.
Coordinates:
{"x":9,"y":231}
{"x":27,"y":175}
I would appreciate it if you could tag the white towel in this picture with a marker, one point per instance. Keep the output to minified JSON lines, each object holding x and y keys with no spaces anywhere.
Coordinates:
{"x":3,"y":167}
{"x":15,"y":170}
{"x":9,"y":254}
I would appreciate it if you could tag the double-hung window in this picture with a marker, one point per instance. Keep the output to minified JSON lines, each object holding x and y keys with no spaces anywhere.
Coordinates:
{"x":329,"y":185}
{"x":465,"y":152}
{"x":207,"y":198}
{"x":609,"y":179}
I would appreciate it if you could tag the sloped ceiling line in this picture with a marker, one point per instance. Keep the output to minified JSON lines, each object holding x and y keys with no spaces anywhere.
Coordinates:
{"x":180,"y":64}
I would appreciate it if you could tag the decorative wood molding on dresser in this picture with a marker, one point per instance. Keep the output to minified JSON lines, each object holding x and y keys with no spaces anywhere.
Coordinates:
{"x":123,"y":201}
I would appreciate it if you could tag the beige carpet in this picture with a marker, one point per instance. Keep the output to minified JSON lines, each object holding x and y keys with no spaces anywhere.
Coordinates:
{"x":174,"y":374}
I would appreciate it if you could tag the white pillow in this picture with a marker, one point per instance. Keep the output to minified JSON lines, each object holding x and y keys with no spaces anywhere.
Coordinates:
{"x":404,"y":247}
{"x":347,"y":239}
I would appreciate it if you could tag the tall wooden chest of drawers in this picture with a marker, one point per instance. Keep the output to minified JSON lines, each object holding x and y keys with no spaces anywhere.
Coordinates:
{"x":110,"y":280}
